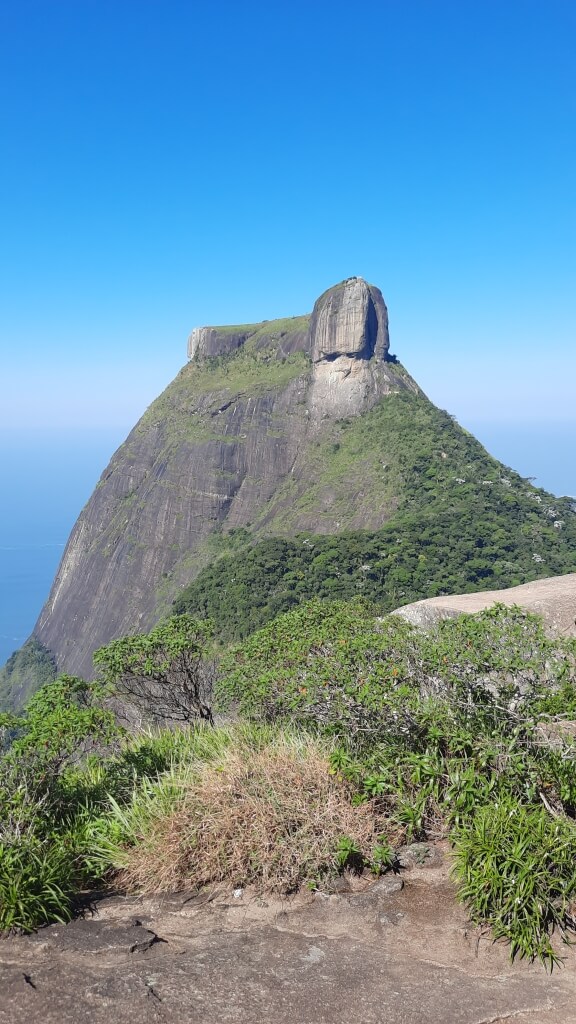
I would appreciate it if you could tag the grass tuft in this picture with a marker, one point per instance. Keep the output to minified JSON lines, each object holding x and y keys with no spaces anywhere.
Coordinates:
{"x":268,"y":813}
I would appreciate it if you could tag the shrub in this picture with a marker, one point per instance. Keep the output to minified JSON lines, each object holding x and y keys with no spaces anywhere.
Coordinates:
{"x":266,"y":810}
{"x":165,"y":674}
{"x":440,"y":726}
{"x":40,"y":837}
{"x":517,"y":872}
{"x":327,"y":665}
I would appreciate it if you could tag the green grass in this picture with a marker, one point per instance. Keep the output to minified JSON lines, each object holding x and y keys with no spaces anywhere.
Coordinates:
{"x":267,"y":329}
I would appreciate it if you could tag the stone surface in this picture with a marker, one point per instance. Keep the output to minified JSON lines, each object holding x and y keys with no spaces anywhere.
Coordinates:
{"x":349,"y":343}
{"x":351,"y":320}
{"x":418,"y":854}
{"x":402,"y":957}
{"x":553,"y":598}
{"x":209,"y":342}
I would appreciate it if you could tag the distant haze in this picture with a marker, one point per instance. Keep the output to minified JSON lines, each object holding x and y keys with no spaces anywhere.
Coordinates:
{"x":541,"y":450}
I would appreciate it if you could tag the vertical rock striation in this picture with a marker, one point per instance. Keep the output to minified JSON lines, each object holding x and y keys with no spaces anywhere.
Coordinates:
{"x":351,"y":320}
{"x":349,"y":345}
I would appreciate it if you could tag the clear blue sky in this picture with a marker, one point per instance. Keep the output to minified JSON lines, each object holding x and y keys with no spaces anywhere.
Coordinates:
{"x":167,"y":164}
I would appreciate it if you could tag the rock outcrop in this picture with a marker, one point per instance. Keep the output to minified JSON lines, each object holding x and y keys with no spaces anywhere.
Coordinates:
{"x":349,"y":347}
{"x":350,"y":320}
{"x":553,"y":598}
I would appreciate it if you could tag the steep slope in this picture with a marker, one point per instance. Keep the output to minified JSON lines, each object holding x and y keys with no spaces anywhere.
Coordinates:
{"x":289,"y":426}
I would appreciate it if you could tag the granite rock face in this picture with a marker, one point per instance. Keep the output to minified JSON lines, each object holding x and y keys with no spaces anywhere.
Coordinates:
{"x":350,"y":320}
{"x":349,"y":346}
{"x":208,"y":341}
{"x":229,"y":444}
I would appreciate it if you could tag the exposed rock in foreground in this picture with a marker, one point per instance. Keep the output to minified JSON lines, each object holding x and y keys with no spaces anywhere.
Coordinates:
{"x":382,"y":954}
{"x":553,"y":598}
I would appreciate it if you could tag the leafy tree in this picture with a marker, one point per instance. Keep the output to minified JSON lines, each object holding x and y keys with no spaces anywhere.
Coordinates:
{"x":165,"y":674}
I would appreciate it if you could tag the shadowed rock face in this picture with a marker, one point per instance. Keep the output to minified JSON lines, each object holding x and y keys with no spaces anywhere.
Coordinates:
{"x":228,"y":444}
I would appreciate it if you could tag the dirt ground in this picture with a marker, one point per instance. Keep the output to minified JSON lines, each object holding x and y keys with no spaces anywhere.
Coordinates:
{"x":396,"y":951}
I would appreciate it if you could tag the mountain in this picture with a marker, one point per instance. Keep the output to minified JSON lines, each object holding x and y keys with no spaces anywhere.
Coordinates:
{"x":304,"y":426}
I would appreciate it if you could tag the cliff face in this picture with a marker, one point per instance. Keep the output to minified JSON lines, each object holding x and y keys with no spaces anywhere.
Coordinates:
{"x":232,"y":442}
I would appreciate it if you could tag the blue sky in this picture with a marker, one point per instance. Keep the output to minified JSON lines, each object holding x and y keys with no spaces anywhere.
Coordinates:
{"x":169,"y":164}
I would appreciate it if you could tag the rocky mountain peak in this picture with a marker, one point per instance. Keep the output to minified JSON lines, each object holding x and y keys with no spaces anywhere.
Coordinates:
{"x":232,"y":443}
{"x":351,"y":320}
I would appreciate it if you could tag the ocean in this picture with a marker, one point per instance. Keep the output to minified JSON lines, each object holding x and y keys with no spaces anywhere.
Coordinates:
{"x":46,"y":481}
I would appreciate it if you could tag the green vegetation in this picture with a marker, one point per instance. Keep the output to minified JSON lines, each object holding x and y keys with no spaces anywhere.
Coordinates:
{"x":181,"y":409}
{"x":28,"y":668}
{"x":41,"y":828}
{"x":357,"y":733}
{"x":457,"y":731}
{"x":458,"y":521}
{"x":267,"y":332}
{"x":165,"y":673}
{"x":406,"y":461}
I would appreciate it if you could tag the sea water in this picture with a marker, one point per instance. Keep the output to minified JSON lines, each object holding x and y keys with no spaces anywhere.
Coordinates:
{"x":45,"y":481}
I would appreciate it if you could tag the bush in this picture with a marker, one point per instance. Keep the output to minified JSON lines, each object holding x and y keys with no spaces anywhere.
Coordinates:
{"x":40,"y":827}
{"x":264,"y":809}
{"x":327,"y":665}
{"x":166,"y":674}
{"x":517,"y":872}
{"x":440,"y":726}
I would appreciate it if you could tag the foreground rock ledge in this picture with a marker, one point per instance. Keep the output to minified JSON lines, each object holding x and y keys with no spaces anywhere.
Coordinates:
{"x":384,"y":955}
{"x":553,"y":598}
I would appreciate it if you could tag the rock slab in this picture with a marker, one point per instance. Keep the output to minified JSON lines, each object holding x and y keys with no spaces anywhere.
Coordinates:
{"x":399,"y":955}
{"x":553,"y":598}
